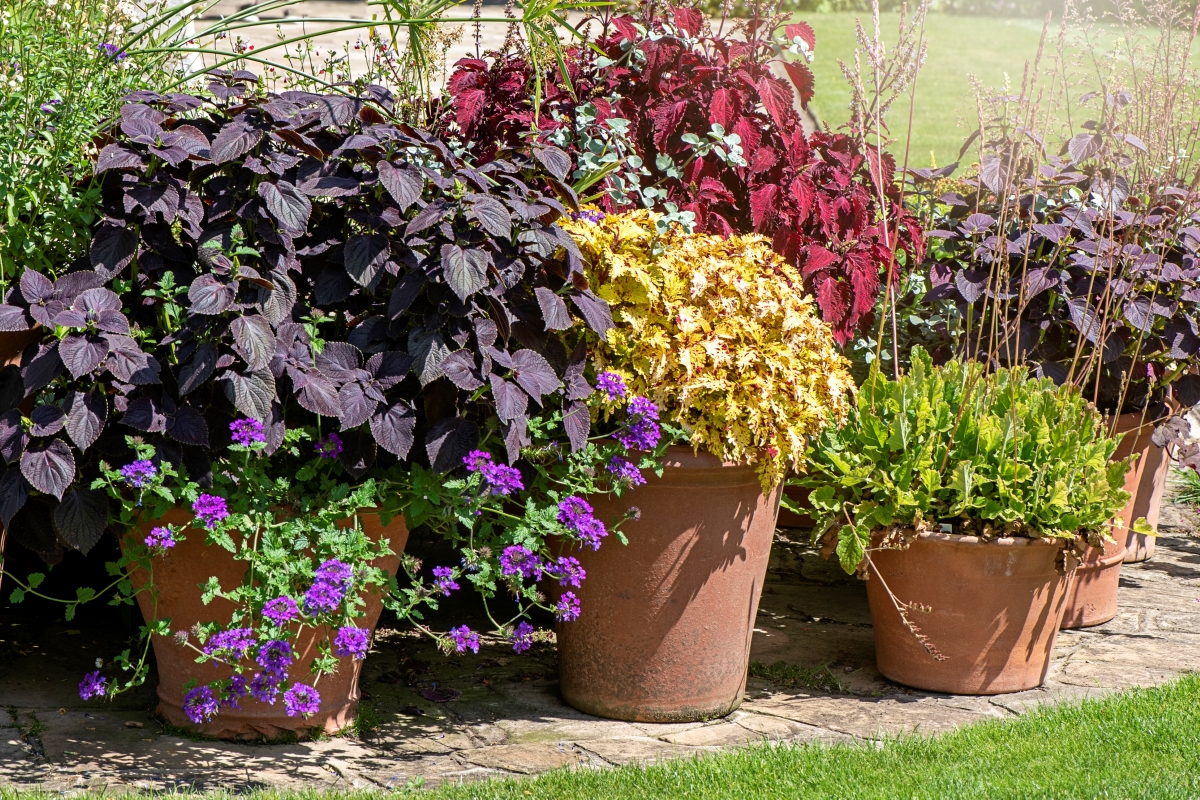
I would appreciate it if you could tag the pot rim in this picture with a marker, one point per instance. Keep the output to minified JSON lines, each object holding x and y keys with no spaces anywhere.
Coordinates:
{"x":1005,"y":541}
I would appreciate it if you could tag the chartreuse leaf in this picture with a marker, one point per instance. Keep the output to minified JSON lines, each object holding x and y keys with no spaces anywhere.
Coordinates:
{"x":1140,"y":525}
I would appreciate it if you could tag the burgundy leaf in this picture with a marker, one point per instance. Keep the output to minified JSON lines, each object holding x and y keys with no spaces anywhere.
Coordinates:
{"x":49,"y":468}
{"x":534,"y":374}
{"x":233,"y":141}
{"x":12,"y":435}
{"x":405,"y":184}
{"x":47,"y":420}
{"x":554,"y":310}
{"x":198,"y":369}
{"x":81,"y":517}
{"x":577,"y":421}
{"x":448,"y":441}
{"x":393,"y":429}
{"x":253,"y":340}
{"x":511,"y":402}
{"x":211,"y":296}
{"x":365,"y":256}
{"x":354,"y":407}
{"x":86,"y":415}
{"x":491,"y":215}
{"x":188,"y":426}
{"x":82,"y":354}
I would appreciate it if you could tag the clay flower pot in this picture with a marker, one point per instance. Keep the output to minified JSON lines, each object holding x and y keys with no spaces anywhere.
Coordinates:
{"x":1145,"y":481}
{"x":994,"y":611}
{"x":665,"y":624}
{"x":1092,"y":595}
{"x":178,"y":574}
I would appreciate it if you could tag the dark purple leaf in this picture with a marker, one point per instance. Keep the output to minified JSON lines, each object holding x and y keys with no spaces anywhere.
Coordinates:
{"x":86,"y":415}
{"x":274,"y":429}
{"x":130,"y":364}
{"x":339,"y":361}
{"x":1084,"y":318}
{"x":405,"y":293}
{"x":976,"y":223}
{"x":556,"y":161}
{"x":534,"y":374}
{"x":578,"y":423}
{"x":12,"y":435}
{"x":1039,"y":280}
{"x":358,"y":453}
{"x":49,"y":468}
{"x":427,"y":217}
{"x":393,"y":428}
{"x":233,"y":141}
{"x":576,"y":386}
{"x":13,"y":319}
{"x":14,"y":491}
{"x":595,"y":311}
{"x":210,"y":296}
{"x":511,"y":402}
{"x":199,"y":369}
{"x":82,"y":354}
{"x":12,"y":388}
{"x":253,"y":340}
{"x":287,"y":205}
{"x":1052,"y":232}
{"x":36,"y":287}
{"x":1083,"y":146}
{"x":113,"y":248}
{"x":47,"y":420}
{"x":491,"y":215}
{"x":516,"y":436}
{"x":188,"y":426}
{"x":44,"y":367}
{"x":1182,"y":342}
{"x":252,"y":393}
{"x":1186,"y":390}
{"x":354,"y":407}
{"x":1137,"y":313}
{"x":389,"y":368}
{"x":365,"y":256}
{"x":145,"y":415}
{"x":465,"y":271}
{"x":462,"y":371}
{"x":318,"y":395}
{"x":448,"y":442}
{"x":73,"y":284}
{"x":405,"y":184}
{"x":554,"y":310}
{"x":81,"y":517}
{"x":971,"y":284}
{"x":276,"y":304}
{"x":117,"y":156}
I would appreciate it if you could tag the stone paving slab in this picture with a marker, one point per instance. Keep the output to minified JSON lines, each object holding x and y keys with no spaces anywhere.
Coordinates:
{"x":509,"y":719}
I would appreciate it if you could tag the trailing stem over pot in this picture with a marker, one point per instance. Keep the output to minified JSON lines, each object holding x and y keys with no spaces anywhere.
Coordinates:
{"x":988,"y":454}
{"x":719,"y":333}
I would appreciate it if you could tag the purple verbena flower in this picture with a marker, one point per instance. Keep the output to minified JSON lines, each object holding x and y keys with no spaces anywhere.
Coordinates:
{"x":47,"y":108}
{"x":464,"y":639}
{"x":594,"y":216}
{"x":335,"y":572}
{"x":113,"y":51}
{"x":351,"y":641}
{"x":210,"y":510}
{"x":139,"y":473}
{"x":301,"y":700}
{"x":264,"y":687}
{"x":330,"y":446}
{"x":520,"y":561}
{"x":443,"y":579}
{"x":521,"y":637}
{"x":642,"y":432}
{"x":611,"y":384}
{"x":568,"y":607}
{"x":200,"y":705}
{"x":236,"y":690}
{"x":93,"y":685}
{"x":322,"y":598}
{"x":247,"y":432}
{"x":576,"y":515}
{"x":568,"y":571}
{"x":624,"y":470}
{"x":230,"y":645}
{"x":281,"y":610}
{"x":502,"y":478}
{"x":274,"y":657}
{"x":476,"y":460}
{"x":160,"y":538}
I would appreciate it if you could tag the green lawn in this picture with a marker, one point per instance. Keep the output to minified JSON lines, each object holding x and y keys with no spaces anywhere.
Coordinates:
{"x":958,"y":46}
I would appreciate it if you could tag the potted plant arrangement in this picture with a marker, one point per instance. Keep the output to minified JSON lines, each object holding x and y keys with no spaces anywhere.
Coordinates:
{"x":279,"y":264}
{"x":962,"y":496}
{"x":717,"y":333}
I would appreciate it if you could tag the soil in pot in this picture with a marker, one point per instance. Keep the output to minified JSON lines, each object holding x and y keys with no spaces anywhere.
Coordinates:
{"x":1092,"y":595}
{"x":993,"y":611}
{"x":178,"y":573}
{"x":1145,"y":482}
{"x":666,"y":622}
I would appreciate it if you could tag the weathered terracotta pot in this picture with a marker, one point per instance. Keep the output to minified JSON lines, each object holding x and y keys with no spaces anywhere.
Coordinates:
{"x":1092,"y":595}
{"x":665,"y":624}
{"x":995,"y":609}
{"x":1145,"y":481}
{"x":178,"y":574}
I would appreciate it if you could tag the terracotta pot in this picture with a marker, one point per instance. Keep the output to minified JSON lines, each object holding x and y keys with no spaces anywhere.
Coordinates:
{"x":798,"y":496}
{"x":995,"y":608}
{"x":665,"y":624}
{"x":1145,"y":481}
{"x":178,"y":574}
{"x":1092,"y":595}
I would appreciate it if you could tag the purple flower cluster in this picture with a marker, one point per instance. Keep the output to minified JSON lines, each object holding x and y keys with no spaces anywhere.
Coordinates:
{"x":624,"y":470}
{"x":275,"y":657}
{"x":464,"y":639}
{"x":351,"y":641}
{"x":521,"y":637}
{"x":281,"y":610}
{"x":443,"y":579}
{"x":329,"y":588}
{"x":642,"y":432}
{"x":139,"y":473}
{"x":230,"y":645}
{"x":593,"y":216}
{"x":247,"y":432}
{"x":567,"y":570}
{"x":113,"y":51}
{"x":501,"y":478}
{"x":576,"y":515}
{"x":160,"y":538}
{"x":93,"y":685}
{"x":264,"y":687}
{"x":330,"y":446}
{"x":301,"y":700}
{"x":235,"y":692}
{"x":520,"y":561}
{"x":210,"y":510}
{"x":200,"y":704}
{"x":568,"y":607}
{"x":611,"y":384}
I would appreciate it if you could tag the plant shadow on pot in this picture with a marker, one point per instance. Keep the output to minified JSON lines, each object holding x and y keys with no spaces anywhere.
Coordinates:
{"x":666,"y":622}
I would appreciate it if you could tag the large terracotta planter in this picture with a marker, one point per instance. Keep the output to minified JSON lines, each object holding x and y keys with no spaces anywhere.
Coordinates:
{"x":665,"y":627}
{"x":1092,"y":595}
{"x":178,"y":573}
{"x":1145,"y":481}
{"x":995,"y":609}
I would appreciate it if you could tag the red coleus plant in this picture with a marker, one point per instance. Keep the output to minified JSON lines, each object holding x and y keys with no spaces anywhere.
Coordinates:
{"x":719,"y":135}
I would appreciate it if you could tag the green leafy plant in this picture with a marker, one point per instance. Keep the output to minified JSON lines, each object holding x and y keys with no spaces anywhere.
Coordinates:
{"x":989,"y":454}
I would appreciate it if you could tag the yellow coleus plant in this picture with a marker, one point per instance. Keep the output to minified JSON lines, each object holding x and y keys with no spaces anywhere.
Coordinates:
{"x":719,"y":333}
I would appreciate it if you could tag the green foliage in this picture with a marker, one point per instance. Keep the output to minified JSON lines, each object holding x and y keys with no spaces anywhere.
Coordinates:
{"x":991,"y":454}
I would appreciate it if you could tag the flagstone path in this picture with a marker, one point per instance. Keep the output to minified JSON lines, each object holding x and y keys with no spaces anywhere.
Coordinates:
{"x":509,"y":719}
